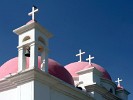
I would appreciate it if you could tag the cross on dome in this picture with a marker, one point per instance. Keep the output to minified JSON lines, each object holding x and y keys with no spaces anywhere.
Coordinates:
{"x":80,"y":55}
{"x":118,"y":81}
{"x":89,"y":59}
{"x":32,"y":13}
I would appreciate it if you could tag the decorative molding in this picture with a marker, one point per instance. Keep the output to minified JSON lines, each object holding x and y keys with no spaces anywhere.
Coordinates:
{"x":122,"y":91}
{"x":91,"y":69}
{"x":102,"y":91}
{"x":28,"y":75}
{"x":30,"y":26}
{"x":108,"y":82}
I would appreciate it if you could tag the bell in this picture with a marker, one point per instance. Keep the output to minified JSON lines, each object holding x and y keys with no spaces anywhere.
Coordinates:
{"x":27,"y":53}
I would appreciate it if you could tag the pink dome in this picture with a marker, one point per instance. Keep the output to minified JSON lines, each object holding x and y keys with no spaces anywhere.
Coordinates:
{"x":54,"y":69}
{"x":120,"y":88}
{"x":78,"y":66}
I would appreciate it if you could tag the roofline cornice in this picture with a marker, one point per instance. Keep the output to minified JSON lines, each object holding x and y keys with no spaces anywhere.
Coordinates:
{"x":109,"y":82}
{"x":30,"y":26}
{"x":102,"y":91}
{"x":28,"y":75}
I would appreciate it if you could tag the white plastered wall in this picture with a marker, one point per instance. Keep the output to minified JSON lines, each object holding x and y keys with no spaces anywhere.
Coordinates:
{"x":89,"y":76}
{"x":21,"y":92}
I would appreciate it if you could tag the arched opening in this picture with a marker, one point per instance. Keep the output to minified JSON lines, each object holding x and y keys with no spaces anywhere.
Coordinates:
{"x":26,"y":38}
{"x":40,"y":49}
{"x":111,"y":90}
{"x":80,"y":88}
{"x":41,"y":40}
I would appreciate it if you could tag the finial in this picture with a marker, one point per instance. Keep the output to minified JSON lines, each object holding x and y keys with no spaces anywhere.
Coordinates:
{"x":43,"y":62}
{"x":80,"y":55}
{"x":118,"y":81}
{"x":89,"y":59}
{"x":32,"y":13}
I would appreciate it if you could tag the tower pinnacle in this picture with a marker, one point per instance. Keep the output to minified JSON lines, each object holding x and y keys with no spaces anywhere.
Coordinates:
{"x":32,"y":13}
{"x":118,"y":81}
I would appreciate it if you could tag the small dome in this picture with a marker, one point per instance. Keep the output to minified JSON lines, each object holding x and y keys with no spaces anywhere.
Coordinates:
{"x":119,"y":88}
{"x":78,"y":66}
{"x":54,"y":69}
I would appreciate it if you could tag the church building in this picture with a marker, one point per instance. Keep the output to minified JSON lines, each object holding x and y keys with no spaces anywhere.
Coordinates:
{"x":34,"y":76}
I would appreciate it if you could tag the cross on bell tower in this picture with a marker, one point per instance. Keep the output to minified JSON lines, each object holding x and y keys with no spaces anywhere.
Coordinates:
{"x":80,"y":55}
{"x":89,"y":59}
{"x":32,"y":13}
{"x":118,"y":81}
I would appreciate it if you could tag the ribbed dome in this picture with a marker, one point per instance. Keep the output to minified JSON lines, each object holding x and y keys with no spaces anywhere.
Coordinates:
{"x":54,"y":69}
{"x":78,"y":66}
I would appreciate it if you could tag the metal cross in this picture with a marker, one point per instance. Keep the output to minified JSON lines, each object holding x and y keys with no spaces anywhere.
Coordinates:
{"x":32,"y":13}
{"x":89,"y":59}
{"x":118,"y":81}
{"x":80,"y":55}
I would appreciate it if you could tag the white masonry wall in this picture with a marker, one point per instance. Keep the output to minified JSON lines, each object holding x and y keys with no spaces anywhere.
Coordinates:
{"x":9,"y":95}
{"x":22,"y":92}
{"x":36,"y":90}
{"x":44,"y":92}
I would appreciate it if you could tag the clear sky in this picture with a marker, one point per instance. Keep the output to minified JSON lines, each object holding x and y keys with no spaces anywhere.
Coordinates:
{"x":102,"y":28}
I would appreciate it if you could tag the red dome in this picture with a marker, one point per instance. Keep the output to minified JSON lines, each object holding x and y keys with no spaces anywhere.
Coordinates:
{"x":54,"y":69}
{"x":78,"y":66}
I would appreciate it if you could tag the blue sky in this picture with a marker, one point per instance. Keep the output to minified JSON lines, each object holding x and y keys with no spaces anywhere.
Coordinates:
{"x":102,"y":28}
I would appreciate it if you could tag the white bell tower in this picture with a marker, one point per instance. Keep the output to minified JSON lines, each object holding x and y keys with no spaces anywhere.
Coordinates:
{"x":33,"y":37}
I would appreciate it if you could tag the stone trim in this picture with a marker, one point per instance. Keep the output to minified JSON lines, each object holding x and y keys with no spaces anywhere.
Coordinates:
{"x":102,"y":91}
{"x":30,"y":26}
{"x":28,"y":75}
